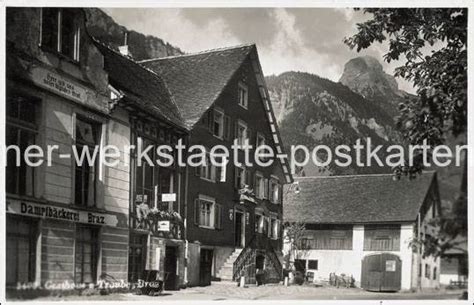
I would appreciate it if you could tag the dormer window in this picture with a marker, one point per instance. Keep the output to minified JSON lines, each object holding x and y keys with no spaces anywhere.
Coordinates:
{"x":243,"y":95}
{"x":60,"y":31}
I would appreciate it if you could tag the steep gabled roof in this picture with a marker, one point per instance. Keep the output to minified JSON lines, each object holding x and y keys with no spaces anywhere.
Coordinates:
{"x":197,"y":79}
{"x":143,"y":87}
{"x":356,"y":199}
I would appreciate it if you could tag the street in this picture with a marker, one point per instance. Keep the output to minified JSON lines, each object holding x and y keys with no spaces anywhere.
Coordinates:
{"x":219,"y":291}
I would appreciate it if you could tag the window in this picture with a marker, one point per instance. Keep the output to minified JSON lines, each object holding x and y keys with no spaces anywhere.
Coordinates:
{"x":266,"y":224}
{"x":260,"y":140}
{"x":87,"y":138}
{"x":258,"y":223}
{"x":86,"y":254}
{"x":165,"y":186}
{"x":60,"y":31}
{"x":274,"y":228}
{"x":21,"y":130}
{"x":274,"y":191}
{"x":435,"y":271}
{"x":313,"y":264}
{"x":242,"y":177}
{"x":205,"y":217}
{"x":136,"y":257}
{"x":151,"y":182}
{"x":20,"y":250}
{"x":218,"y":127}
{"x":144,"y":176}
{"x":208,"y":214}
{"x":259,"y":185}
{"x":242,"y":132}
{"x":382,"y":238}
{"x":427,"y":271}
{"x":208,"y":171}
{"x":243,"y":95}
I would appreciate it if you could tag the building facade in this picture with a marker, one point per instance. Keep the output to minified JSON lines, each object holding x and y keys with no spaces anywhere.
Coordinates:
{"x":233,"y":216}
{"x":66,"y":222}
{"x":156,"y":195}
{"x":364,"y":226}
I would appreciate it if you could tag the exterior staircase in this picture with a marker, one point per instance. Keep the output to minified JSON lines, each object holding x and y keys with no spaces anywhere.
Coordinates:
{"x":226,"y":272}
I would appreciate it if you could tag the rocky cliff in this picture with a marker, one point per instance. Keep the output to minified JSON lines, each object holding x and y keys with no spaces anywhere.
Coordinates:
{"x":104,"y":28}
{"x":365,"y":75}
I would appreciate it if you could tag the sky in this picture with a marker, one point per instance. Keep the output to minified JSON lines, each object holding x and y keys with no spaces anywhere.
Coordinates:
{"x":287,"y":39}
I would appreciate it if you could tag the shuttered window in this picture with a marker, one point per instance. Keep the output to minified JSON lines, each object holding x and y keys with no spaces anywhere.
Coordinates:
{"x":382,"y":238}
{"x":207,"y":213}
{"x":328,"y":238}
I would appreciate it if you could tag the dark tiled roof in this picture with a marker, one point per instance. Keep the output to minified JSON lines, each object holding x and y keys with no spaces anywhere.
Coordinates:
{"x":142,"y":87}
{"x":356,"y":199}
{"x":196,"y":80}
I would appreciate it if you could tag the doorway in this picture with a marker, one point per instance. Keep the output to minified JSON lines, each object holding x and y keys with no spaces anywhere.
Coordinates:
{"x":171,"y":277}
{"x":136,"y":257}
{"x":239,"y":229}
{"x":205,"y":267}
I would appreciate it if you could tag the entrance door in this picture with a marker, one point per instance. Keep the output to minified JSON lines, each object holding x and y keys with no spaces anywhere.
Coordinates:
{"x":381,"y":272}
{"x":171,"y":279}
{"x":136,"y":257}
{"x":239,"y":229}
{"x":205,"y":267}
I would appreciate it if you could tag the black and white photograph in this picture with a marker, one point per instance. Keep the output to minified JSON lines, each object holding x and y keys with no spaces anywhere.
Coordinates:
{"x":233,"y":152}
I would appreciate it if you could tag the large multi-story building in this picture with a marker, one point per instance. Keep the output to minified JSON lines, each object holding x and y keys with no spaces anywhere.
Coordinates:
{"x":156,"y":192}
{"x":222,"y":97}
{"x":66,"y":221}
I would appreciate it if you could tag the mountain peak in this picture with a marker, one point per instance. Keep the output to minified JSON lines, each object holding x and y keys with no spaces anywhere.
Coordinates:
{"x":364,"y":63}
{"x":366,"y":76}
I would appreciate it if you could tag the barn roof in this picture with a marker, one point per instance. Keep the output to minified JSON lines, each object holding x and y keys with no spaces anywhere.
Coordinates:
{"x":356,"y":199}
{"x":143,"y":87}
{"x":197,"y":79}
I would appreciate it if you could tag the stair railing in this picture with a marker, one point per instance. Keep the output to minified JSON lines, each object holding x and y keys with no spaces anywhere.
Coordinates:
{"x":245,"y":259}
{"x":276,"y":261}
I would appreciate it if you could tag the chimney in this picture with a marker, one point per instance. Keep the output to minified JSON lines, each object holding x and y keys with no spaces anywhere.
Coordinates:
{"x":124,"y":48}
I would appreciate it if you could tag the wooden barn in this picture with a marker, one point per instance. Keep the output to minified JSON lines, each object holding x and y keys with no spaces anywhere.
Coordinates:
{"x":362,"y":226}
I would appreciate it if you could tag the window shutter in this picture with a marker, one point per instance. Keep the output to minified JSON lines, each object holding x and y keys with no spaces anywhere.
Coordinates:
{"x":276,"y":229}
{"x":249,"y":135}
{"x":236,"y":129}
{"x":227,"y":128}
{"x":255,"y":181}
{"x":270,"y":227}
{"x":197,"y":211}
{"x":210,"y":120}
{"x":222,"y":173}
{"x":218,"y":216}
{"x":265,"y":188}
{"x":236,"y":178}
{"x":248,"y":177}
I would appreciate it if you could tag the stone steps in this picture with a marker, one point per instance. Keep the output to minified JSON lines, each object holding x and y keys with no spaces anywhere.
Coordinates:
{"x":226,"y":272}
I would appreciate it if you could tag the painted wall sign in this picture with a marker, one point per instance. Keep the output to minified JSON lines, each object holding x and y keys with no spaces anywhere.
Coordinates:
{"x":60,"y":213}
{"x":59,"y":84}
{"x":164,"y":225}
{"x":171,"y":197}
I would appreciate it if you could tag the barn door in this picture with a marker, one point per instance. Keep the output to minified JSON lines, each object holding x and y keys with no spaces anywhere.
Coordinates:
{"x":381,"y":272}
{"x":392,"y":275}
